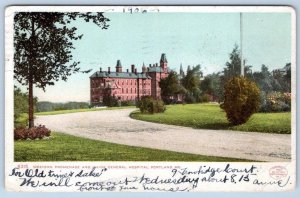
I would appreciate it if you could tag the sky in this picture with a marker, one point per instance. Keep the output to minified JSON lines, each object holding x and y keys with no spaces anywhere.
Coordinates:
{"x":186,"y":38}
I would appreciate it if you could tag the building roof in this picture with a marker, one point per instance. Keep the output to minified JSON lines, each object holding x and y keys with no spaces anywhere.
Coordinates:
{"x":155,"y":69}
{"x":158,"y":69}
{"x":105,"y":74}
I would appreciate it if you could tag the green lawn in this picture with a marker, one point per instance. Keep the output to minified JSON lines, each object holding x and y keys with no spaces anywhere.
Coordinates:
{"x":80,"y":110}
{"x":62,"y":147}
{"x":210,"y":116}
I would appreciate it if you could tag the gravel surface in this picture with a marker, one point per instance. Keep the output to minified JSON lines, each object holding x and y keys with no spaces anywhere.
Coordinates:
{"x":117,"y":127}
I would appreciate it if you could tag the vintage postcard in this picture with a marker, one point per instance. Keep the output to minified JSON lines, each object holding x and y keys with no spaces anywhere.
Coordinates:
{"x":150,"y":98}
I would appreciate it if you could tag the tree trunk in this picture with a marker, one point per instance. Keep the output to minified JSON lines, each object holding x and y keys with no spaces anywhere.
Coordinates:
{"x":30,"y":77}
{"x":30,"y":100}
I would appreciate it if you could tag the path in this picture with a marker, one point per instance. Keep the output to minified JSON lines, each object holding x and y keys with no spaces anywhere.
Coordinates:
{"x":117,"y":127}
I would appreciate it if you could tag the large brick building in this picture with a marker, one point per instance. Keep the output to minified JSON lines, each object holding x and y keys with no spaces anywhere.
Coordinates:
{"x":128,"y":86}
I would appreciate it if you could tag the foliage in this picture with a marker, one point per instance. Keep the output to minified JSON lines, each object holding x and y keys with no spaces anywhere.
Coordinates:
{"x":149,"y":105}
{"x":233,"y":67}
{"x":210,"y":116}
{"x":45,"y":106}
{"x":20,"y":102}
{"x":128,"y":103}
{"x":211,"y":85}
{"x":191,"y":83}
{"x":21,"y":107}
{"x":39,"y":132}
{"x":241,"y":100}
{"x":191,"y":80}
{"x":206,"y":98}
{"x":279,"y":80}
{"x":275,"y":102}
{"x":43,"y":47}
{"x":170,"y":87}
{"x":21,"y":121}
{"x":110,"y":101}
{"x":63,"y":147}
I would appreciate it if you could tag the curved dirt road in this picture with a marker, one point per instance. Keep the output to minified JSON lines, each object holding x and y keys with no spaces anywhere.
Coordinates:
{"x":116,"y":126}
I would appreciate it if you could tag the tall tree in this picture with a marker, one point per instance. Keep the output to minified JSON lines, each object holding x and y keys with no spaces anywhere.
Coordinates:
{"x":233,"y":67}
{"x":191,"y":82}
{"x":43,"y":44}
{"x":211,"y":85}
{"x":264,"y":79}
{"x":170,"y":86}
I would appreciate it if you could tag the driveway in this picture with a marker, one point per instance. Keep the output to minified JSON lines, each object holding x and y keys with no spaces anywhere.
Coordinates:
{"x":117,"y":127}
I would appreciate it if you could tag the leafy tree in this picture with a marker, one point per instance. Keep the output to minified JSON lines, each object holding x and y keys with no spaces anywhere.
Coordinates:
{"x":264,"y":79}
{"x":170,"y":86}
{"x":191,"y":82}
{"x":211,"y":85}
{"x":287,"y":77}
{"x":43,"y":44}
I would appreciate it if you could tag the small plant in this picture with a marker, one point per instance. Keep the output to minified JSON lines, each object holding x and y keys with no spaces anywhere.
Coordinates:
{"x":39,"y":132}
{"x":241,"y":100}
{"x":149,"y":105}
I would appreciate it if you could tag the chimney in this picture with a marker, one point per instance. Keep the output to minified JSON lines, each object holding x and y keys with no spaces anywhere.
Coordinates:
{"x":109,"y":70}
{"x":156,"y":64}
{"x":150,"y":65}
{"x":100,"y":70}
{"x":132,"y":68}
{"x":135,"y":71}
{"x":127,"y":70}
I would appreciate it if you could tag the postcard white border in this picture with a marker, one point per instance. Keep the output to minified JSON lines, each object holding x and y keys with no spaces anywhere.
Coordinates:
{"x":9,"y":163}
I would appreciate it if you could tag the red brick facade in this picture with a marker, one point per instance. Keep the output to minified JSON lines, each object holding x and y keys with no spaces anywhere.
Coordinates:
{"x":128,"y":86}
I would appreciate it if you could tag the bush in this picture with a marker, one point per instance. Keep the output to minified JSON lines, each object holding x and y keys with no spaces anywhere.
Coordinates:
{"x":148,"y":105}
{"x":128,"y":103}
{"x":206,"y":98}
{"x":275,"y":102}
{"x":241,"y":100}
{"x":39,"y":132}
{"x":110,"y":101}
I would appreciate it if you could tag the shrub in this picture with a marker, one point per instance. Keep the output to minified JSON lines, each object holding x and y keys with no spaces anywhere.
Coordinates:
{"x":110,"y":101}
{"x":39,"y":132}
{"x":149,"y":105}
{"x":241,"y":100}
{"x":275,"y":102}
{"x":206,"y":98}
{"x":128,"y":103}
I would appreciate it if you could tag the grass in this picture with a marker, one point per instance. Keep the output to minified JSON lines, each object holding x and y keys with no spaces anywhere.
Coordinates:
{"x":62,"y":147}
{"x":210,"y":116}
{"x":80,"y":110}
